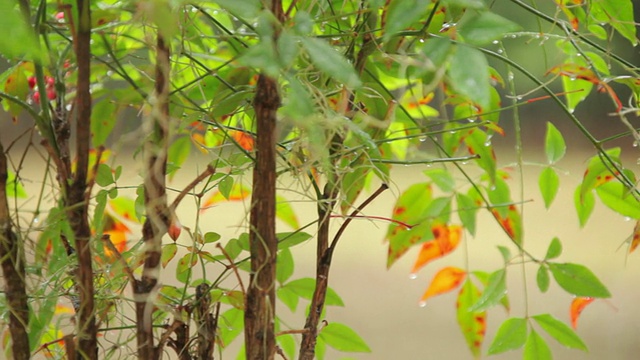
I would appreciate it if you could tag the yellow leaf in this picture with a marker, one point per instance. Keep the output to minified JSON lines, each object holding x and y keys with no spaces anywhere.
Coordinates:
{"x":445,"y":280}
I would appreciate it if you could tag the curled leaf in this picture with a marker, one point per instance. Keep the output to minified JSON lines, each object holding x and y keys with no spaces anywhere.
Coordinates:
{"x":577,"y":305}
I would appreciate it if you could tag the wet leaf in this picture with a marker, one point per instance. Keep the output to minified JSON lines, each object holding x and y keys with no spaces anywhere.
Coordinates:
{"x":578,"y":280}
{"x":476,"y":141}
{"x":536,"y":348}
{"x":577,"y":305}
{"x":549,"y":183}
{"x":404,"y":238}
{"x":469,"y":75}
{"x":343,"y":338}
{"x":619,"y":14}
{"x":495,"y":290}
{"x":612,"y":194}
{"x":403,"y":13}
{"x":473,"y":324}
{"x":484,"y":27}
{"x":445,"y":280}
{"x":442,"y":178}
{"x":560,"y":331}
{"x":511,"y":335}
{"x":446,"y":239}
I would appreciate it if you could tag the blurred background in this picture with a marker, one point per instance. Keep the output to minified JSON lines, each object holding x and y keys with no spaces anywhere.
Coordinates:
{"x":382,"y":305}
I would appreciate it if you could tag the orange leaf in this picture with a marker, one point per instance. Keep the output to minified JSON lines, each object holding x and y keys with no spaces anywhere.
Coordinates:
{"x":63,"y":309}
{"x":446,"y":239}
{"x":238,"y":192}
{"x":445,"y":280}
{"x":635,"y":240}
{"x":577,"y":305}
{"x":245,"y":140}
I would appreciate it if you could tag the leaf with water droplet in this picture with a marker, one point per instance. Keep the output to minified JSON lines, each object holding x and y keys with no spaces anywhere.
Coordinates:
{"x":473,"y":324}
{"x":445,"y":280}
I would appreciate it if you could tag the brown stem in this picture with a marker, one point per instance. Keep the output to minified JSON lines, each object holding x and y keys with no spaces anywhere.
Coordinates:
{"x":76,"y":204}
{"x":206,"y":322}
{"x":326,"y":204}
{"x":233,"y":267}
{"x":210,"y":170}
{"x":260,"y":301}
{"x":106,"y":239}
{"x":12,"y":262}
{"x":155,"y":198}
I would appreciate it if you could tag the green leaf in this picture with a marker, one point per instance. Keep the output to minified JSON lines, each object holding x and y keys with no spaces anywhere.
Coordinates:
{"x":403,"y":13}
{"x":104,"y":176}
{"x":305,"y":287}
{"x":493,"y":292}
{"x":14,"y":187}
{"x":542,"y":278}
{"x":554,"y":145}
{"x":183,"y":269}
{"x":484,"y":27}
{"x":536,"y":348}
{"x":246,"y":9}
{"x":331,"y":62}
{"x":560,"y":331}
{"x":554,"y":250}
{"x":613,"y":195}
{"x":477,"y":143}
{"x":467,"y":210}
{"x":284,"y":212}
{"x":178,"y":153}
{"x":470,"y":4}
{"x":288,"y":297}
{"x":211,"y":237}
{"x":233,"y":320}
{"x":578,"y":280}
{"x":103,"y":118}
{"x":225,"y":186}
{"x":511,"y":335}
{"x":18,"y":37}
{"x":576,"y":89}
{"x":469,"y":75}
{"x":598,"y":172}
{"x":506,"y":254}
{"x":472,"y":323}
{"x":262,"y":56}
{"x":289,"y":239}
{"x":584,"y":205}
{"x":549,"y":183}
{"x":402,"y":239}
{"x":620,"y":14}
{"x":284,"y":265}
{"x":343,"y":338}
{"x":168,"y":253}
{"x":442,"y":178}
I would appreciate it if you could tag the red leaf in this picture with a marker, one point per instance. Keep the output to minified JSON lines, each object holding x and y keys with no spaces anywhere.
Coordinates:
{"x":175,"y":228}
{"x":447,"y":279}
{"x":472,"y":324}
{"x":446,"y":240}
{"x":511,"y":223}
{"x":577,"y":305}
{"x":245,"y":140}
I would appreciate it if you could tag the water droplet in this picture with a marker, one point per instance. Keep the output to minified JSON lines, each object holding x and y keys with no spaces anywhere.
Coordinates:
{"x":36,"y":220}
{"x":499,"y":51}
{"x":510,"y":76}
{"x":487,"y":143}
{"x":421,"y":40}
{"x":413,"y":276}
{"x":627,"y":218}
{"x":635,"y":144}
{"x":422,"y":303}
{"x":422,"y":138}
{"x":519,"y":97}
{"x":495,"y":42}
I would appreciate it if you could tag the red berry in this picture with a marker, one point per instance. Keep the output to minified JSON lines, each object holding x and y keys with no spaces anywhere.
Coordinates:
{"x":51,"y":94}
{"x":36,"y":97}
{"x":59,"y":15}
{"x":50,"y":81}
{"x":32,"y":82}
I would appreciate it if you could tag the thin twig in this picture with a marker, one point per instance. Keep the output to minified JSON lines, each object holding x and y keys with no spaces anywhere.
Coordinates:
{"x":106,"y":239}
{"x":233,"y":267}
{"x":355,"y":212}
{"x":292,"y":332}
{"x":210,"y":170}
